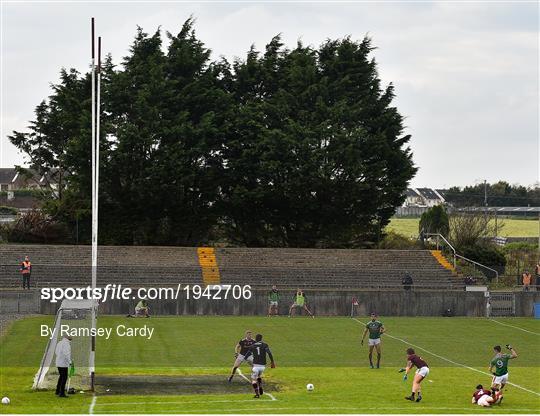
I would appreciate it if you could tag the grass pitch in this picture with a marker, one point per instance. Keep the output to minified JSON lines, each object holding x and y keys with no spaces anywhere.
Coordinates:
{"x":322,"y":351}
{"x":512,"y":227}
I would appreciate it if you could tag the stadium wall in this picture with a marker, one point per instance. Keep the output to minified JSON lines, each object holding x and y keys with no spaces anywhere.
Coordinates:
{"x":322,"y":303}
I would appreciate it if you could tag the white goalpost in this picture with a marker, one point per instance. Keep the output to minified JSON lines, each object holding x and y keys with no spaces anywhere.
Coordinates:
{"x":95,"y":184}
{"x":76,"y":315}
{"x":80,"y":315}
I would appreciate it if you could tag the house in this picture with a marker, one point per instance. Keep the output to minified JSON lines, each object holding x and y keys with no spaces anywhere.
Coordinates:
{"x":6,"y":178}
{"x":13,"y":180}
{"x":422,"y":197}
{"x":431,"y":197}
{"x":412,"y":198}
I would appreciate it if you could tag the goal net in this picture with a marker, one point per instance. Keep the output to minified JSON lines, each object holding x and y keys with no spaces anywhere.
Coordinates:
{"x":78,"y":318}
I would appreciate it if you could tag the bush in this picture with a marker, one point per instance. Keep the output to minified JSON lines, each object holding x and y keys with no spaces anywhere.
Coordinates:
{"x":7,"y":210}
{"x":486,"y":255}
{"x":35,"y":227}
{"x":396,"y":241}
{"x":36,"y":193}
{"x":434,"y":220}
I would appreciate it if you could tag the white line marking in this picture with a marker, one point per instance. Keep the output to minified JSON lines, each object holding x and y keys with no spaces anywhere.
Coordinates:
{"x":450,"y":361}
{"x":247,"y":379}
{"x":92,"y":405}
{"x":256,"y":408}
{"x":515,"y":327}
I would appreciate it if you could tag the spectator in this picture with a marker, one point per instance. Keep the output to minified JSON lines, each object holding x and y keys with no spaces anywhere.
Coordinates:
{"x":537,"y":273}
{"x":526,"y":280}
{"x":26,"y":271}
{"x":407,"y":281}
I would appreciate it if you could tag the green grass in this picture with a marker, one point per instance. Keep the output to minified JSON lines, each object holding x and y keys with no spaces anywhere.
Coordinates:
{"x":323,"y":351}
{"x":512,"y":227}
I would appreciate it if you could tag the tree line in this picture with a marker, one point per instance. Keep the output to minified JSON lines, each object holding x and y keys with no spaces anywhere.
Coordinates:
{"x":286,"y":147}
{"x":499,"y":194}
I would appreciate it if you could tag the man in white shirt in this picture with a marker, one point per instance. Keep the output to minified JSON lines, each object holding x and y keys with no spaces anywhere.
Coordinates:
{"x":63,"y":361}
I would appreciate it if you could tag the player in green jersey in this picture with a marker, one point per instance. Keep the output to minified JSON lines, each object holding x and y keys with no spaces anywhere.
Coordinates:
{"x":273,"y":301}
{"x":375,"y":329}
{"x":500,"y":364}
{"x":299,"y":301}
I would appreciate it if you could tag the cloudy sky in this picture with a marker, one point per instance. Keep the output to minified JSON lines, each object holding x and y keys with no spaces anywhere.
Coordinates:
{"x":466,"y":73}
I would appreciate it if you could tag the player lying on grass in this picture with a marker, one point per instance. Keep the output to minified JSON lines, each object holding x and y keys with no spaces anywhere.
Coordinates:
{"x":485,"y":398}
{"x":500,"y":363}
{"x":259,"y":350}
{"x":422,"y":370}
{"x":142,"y":310}
{"x":376,"y":329}
{"x":242,"y":353}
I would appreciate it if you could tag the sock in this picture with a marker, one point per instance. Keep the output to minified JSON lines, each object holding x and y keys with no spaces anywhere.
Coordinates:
{"x":412,"y":394}
{"x":259,"y":383}
{"x":370,"y":360}
{"x":234,"y":370}
{"x":378,"y":359}
{"x":256,"y":388}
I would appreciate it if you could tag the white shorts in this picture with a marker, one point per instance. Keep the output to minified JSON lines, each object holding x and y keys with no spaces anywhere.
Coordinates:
{"x":372,"y":342}
{"x":500,"y":379}
{"x":241,"y":358}
{"x":257,"y":371}
{"x":424,"y":371}
{"x":273,"y":303}
{"x":483,"y":401}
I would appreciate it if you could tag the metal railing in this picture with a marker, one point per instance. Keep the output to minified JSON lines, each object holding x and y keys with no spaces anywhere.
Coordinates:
{"x":447,"y":243}
{"x":455,"y":255}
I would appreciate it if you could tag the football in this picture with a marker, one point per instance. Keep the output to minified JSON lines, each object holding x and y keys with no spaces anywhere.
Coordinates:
{"x":5,"y":400}
{"x":310,"y":387}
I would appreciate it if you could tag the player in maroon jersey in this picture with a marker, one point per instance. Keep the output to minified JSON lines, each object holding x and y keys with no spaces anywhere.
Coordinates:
{"x":422,"y":370}
{"x":242,"y":353}
{"x":484,"y":397}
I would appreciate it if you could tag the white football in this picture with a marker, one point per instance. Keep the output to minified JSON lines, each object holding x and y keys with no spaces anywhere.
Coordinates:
{"x":310,"y":387}
{"x":5,"y":400}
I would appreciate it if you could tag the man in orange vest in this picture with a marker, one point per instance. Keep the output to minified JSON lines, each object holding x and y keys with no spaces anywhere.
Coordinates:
{"x":26,"y":270}
{"x":526,"y":281}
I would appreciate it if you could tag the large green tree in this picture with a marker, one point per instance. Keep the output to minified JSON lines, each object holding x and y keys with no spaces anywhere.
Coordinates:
{"x":316,"y":156}
{"x":299,"y":148}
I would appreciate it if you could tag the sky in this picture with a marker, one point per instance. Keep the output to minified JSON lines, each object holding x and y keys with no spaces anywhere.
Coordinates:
{"x":466,"y":74}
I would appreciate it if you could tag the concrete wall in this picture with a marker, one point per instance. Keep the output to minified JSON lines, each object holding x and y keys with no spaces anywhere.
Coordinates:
{"x":323,"y":303}
{"x":19,"y":302}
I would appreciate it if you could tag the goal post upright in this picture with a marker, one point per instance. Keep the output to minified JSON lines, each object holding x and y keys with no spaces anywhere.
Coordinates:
{"x":95,"y":178}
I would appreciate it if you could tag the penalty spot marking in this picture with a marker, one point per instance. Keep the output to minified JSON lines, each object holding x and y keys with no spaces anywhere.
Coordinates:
{"x":452,"y":362}
{"x":515,"y":327}
{"x":247,"y":379}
